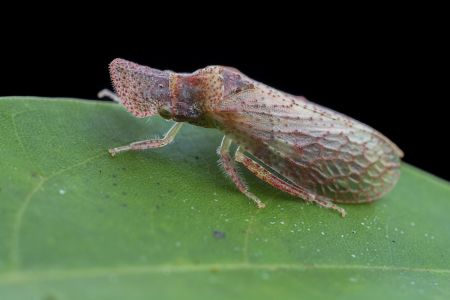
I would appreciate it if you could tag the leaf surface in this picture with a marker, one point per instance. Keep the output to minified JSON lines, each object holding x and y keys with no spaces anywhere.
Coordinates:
{"x":165,"y":223}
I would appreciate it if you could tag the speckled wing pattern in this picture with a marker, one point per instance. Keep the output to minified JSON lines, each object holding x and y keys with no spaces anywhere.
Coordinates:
{"x":323,"y":152}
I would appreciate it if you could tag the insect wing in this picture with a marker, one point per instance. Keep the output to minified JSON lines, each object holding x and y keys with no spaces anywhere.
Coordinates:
{"x":322,"y":151}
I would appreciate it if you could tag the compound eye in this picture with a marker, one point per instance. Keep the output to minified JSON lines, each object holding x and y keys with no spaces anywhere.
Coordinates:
{"x":164,"y":112}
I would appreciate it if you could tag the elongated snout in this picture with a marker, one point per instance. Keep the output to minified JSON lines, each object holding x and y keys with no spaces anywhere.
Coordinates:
{"x":143,"y":90}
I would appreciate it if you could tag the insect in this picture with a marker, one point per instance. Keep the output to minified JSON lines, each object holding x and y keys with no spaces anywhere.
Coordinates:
{"x":299,"y":147}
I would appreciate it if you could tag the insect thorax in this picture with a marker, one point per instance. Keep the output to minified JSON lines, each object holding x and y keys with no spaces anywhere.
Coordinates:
{"x":195,"y":97}
{"x":191,"y":96}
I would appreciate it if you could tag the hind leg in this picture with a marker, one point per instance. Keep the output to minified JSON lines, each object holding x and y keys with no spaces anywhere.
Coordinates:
{"x":264,"y":174}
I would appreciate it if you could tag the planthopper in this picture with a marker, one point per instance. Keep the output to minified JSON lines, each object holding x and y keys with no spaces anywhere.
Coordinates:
{"x":299,"y":147}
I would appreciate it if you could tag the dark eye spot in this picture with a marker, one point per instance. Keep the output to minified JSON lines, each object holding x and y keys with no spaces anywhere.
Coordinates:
{"x":160,"y":85}
{"x":164,"y":112}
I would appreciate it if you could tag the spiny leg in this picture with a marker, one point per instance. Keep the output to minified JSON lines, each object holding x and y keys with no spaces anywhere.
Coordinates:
{"x":230,"y":169}
{"x":265,"y":175}
{"x":148,"y":144}
{"x":108,"y":94}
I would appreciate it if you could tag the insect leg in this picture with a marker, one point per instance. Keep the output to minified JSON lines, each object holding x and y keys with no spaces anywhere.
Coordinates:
{"x":265,"y":175}
{"x":108,"y":94}
{"x":230,"y":169}
{"x":148,"y":144}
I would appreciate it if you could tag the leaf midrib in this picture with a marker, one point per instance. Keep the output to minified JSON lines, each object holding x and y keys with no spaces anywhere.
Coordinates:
{"x":127,"y":270}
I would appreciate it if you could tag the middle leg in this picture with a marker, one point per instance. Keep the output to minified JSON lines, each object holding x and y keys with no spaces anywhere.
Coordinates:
{"x":231,"y":170}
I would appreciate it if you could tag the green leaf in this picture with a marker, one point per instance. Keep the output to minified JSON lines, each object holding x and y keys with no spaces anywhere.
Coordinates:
{"x":165,"y":223}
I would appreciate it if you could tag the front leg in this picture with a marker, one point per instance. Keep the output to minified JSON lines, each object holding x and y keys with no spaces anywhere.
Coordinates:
{"x":148,"y":144}
{"x":230,"y":170}
{"x":109,"y":94}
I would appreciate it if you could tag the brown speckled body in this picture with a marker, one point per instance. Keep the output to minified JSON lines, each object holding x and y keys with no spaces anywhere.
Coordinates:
{"x":320,"y":151}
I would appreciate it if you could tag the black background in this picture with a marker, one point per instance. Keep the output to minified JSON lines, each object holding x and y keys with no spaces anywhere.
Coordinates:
{"x":387,"y":77}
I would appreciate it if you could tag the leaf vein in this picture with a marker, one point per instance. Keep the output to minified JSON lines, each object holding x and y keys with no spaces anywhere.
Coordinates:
{"x":18,"y":220}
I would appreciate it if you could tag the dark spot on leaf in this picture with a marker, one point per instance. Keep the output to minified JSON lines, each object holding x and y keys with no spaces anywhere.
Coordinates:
{"x":124,"y":205}
{"x":353,"y":231}
{"x":157,"y":183}
{"x":218,"y":234}
{"x":114,"y":175}
{"x":50,"y":297}
{"x":34,"y":174}
{"x":196,"y":157}
{"x":124,"y":169}
{"x":393,"y":241}
{"x":114,"y":183}
{"x":100,"y":171}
